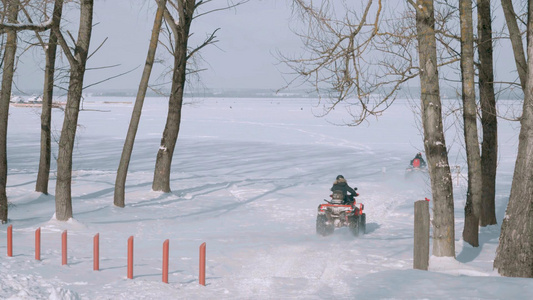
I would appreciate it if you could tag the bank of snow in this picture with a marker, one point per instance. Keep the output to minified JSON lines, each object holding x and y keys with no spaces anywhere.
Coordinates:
{"x":247,"y":177}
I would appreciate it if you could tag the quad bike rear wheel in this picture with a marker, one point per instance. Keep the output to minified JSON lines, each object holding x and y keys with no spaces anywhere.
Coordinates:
{"x":322,"y":228}
{"x":362,"y":223}
{"x":354,"y":225}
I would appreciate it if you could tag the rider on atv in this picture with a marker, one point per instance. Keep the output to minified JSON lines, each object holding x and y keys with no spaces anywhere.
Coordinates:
{"x":418,"y":161}
{"x":341,"y":185}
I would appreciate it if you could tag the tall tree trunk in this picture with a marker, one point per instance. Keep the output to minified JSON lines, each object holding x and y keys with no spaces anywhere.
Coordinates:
{"x":489,"y":121}
{"x":122,"y":171}
{"x":5,"y":96}
{"x":516,"y":39}
{"x":514,"y":256}
{"x":434,"y":144}
{"x":170,"y":134}
{"x":43,"y":174}
{"x":473,"y":196}
{"x":70,"y":123}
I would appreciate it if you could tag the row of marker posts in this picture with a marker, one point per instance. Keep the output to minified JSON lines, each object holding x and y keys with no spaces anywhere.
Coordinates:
{"x":96,"y":253}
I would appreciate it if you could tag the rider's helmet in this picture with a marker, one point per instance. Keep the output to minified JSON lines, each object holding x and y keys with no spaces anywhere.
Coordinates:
{"x":339,"y":177}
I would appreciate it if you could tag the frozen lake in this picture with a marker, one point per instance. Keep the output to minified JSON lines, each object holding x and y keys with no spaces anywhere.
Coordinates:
{"x":247,"y":177}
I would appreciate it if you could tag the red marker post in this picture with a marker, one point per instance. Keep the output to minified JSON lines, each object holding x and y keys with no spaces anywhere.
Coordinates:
{"x":165,"y":261}
{"x":64,"y":248}
{"x":96,"y":252}
{"x":38,"y":244}
{"x":202,"y":264}
{"x":10,"y":240}
{"x":130,"y":257}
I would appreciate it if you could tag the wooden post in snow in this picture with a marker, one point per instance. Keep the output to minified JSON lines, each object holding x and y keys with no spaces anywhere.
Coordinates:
{"x":202,"y":264}
{"x":10,"y":240}
{"x":165,"y":261}
{"x":64,"y":248}
{"x":96,"y":252}
{"x":130,"y":257}
{"x":421,"y":235}
{"x":38,"y":244}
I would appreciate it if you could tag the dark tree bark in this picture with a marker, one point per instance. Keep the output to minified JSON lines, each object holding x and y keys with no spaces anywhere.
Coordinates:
{"x":489,"y":121}
{"x":434,"y":144}
{"x":77,"y":62}
{"x":516,"y":39}
{"x":122,"y":171}
{"x":170,"y":134}
{"x":43,"y":174}
{"x":514,"y":256}
{"x":473,"y":196}
{"x":5,"y":95}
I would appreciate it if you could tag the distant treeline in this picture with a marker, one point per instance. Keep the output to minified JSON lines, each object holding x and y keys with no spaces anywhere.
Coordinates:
{"x":404,"y":93}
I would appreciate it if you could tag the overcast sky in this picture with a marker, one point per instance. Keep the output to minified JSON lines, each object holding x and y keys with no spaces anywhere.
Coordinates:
{"x":244,"y":57}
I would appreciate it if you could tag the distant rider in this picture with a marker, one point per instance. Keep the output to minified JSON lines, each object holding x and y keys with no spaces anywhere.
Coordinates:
{"x":418,"y":161}
{"x":340,"y":184}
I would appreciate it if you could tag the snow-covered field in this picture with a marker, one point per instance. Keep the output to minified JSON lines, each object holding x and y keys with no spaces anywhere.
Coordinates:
{"x":248,"y":175}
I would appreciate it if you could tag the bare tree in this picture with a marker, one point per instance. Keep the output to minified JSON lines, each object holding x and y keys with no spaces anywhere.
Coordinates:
{"x":447,"y":37}
{"x":516,"y":40}
{"x":180,"y":28}
{"x":77,"y":61}
{"x":43,"y":174}
{"x":489,"y":121}
{"x":122,"y":171}
{"x":181,"y":53}
{"x":12,"y":8}
{"x":434,"y":143}
{"x":473,"y":195}
{"x":10,"y":50}
{"x":514,"y":256}
{"x":338,"y":61}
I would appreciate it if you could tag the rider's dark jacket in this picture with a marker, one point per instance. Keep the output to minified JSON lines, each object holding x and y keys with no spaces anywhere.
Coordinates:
{"x":341,"y":185}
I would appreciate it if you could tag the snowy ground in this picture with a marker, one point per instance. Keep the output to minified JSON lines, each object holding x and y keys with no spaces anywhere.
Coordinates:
{"x":248,"y":175}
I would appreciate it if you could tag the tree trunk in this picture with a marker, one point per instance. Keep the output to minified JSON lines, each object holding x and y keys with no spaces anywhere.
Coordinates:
{"x":43,"y":174}
{"x":471,"y":226}
{"x":70,"y":123}
{"x":122,"y":171}
{"x":489,"y":122}
{"x":514,"y":256}
{"x":170,"y":134}
{"x":473,"y":196}
{"x":434,"y":144}
{"x":515,"y":36}
{"x":5,"y":97}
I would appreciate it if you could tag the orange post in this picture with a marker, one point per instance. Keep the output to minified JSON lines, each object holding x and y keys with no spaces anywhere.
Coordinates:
{"x":130,"y":257}
{"x":165,"y":261}
{"x":202,"y":264}
{"x":38,"y":244}
{"x":64,"y":248}
{"x":10,"y":240}
{"x":96,"y":252}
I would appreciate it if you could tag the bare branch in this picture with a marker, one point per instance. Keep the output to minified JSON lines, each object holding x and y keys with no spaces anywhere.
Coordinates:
{"x":101,"y":68}
{"x":109,"y":78}
{"x":209,"y":40}
{"x":41,"y":41}
{"x":171,"y":22}
{"x":216,"y":9}
{"x":98,"y":48}
{"x":66,"y":49}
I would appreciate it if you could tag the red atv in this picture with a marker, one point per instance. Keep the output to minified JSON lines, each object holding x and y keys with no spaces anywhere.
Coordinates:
{"x":340,"y":212}
{"x":417,"y":165}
